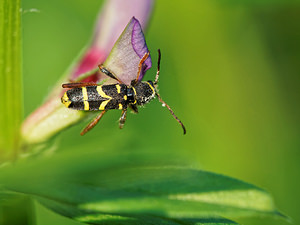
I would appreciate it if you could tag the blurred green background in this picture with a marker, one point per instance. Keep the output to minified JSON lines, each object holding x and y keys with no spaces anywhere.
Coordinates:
{"x":230,"y":70}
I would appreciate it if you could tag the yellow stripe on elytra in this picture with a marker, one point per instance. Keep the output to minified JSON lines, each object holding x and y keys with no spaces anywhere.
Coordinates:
{"x":101,"y":93}
{"x":118,"y":88}
{"x":151,"y":87}
{"x":84,"y":93}
{"x":103,"y":104}
{"x":85,"y":99}
{"x":86,"y":105}
{"x":134,"y":94}
{"x":65,"y":100}
{"x":125,"y":97}
{"x":120,"y":106}
{"x":134,"y":91}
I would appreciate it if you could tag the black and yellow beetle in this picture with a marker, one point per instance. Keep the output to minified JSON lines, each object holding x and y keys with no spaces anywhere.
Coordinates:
{"x":93,"y":97}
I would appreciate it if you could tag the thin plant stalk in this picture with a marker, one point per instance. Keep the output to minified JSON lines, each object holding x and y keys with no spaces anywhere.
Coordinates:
{"x":17,"y":209}
{"x":11,"y":103}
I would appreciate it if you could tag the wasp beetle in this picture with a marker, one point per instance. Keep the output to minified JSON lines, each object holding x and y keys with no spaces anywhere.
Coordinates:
{"x":93,"y":97}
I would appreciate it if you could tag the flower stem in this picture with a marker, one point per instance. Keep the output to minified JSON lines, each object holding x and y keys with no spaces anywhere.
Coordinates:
{"x":11,"y":103}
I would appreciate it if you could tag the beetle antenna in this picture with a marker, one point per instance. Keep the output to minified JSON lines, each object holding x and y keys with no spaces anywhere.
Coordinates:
{"x":171,"y":111}
{"x":158,"y":67}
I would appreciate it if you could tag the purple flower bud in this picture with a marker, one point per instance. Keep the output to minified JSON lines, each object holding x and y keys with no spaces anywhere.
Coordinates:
{"x":126,"y":54}
{"x":112,"y":20}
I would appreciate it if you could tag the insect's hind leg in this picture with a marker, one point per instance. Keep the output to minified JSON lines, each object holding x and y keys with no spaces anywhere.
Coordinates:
{"x":78,"y":85}
{"x":123,"y":118}
{"x":84,"y":76}
{"x":92,"y":123}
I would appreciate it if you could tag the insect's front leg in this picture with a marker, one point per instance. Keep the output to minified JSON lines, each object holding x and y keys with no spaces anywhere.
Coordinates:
{"x":133,"y":82}
{"x":122,"y":118}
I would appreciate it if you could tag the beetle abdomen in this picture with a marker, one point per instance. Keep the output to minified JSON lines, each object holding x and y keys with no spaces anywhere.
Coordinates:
{"x":92,"y":98}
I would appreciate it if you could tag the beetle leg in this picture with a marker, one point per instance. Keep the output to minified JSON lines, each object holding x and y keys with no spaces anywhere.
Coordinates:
{"x":84,"y":75}
{"x":140,"y":68}
{"x":108,"y":73}
{"x":78,"y":85}
{"x":92,"y":123}
{"x":122,"y":118}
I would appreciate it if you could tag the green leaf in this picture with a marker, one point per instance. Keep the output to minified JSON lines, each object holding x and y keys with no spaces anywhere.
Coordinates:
{"x":97,"y":185}
{"x":102,"y":218}
{"x":260,"y":2}
{"x":12,"y":204}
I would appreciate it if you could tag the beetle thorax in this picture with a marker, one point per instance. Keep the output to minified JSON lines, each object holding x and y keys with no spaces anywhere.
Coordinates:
{"x":145,"y":92}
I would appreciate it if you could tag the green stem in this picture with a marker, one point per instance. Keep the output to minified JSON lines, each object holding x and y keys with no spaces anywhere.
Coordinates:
{"x":18,"y":210}
{"x":11,"y":103}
